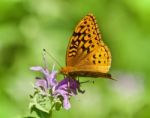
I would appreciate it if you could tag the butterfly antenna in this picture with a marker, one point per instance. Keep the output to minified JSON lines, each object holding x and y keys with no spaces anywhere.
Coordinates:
{"x":44,"y":59}
{"x":44,"y":50}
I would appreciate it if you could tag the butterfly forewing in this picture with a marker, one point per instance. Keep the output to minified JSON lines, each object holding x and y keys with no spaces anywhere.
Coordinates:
{"x":86,"y":53}
{"x":85,"y":38}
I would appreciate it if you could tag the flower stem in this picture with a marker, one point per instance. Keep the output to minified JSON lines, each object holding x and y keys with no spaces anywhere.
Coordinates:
{"x":50,"y":111}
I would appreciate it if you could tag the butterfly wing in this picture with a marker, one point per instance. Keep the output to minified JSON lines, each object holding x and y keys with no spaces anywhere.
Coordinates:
{"x":86,"y":54}
{"x":86,"y":47}
{"x":82,"y":40}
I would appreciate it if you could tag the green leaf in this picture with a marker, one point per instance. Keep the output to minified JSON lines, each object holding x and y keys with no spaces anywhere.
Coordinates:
{"x":41,"y":104}
{"x":40,"y":113}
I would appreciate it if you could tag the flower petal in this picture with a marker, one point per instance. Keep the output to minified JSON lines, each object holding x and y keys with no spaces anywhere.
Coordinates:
{"x":51,"y":79}
{"x":66,"y":103}
{"x":70,"y":85}
{"x":41,"y":83}
{"x":36,"y":68}
{"x":41,"y":69}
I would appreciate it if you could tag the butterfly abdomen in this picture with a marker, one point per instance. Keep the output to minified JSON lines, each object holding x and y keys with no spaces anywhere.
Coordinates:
{"x":90,"y":74}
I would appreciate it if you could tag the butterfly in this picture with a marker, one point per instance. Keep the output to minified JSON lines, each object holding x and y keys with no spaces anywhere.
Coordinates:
{"x":87,"y":55}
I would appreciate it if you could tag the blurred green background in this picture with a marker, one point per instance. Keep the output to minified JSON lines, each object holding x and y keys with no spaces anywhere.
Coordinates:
{"x":28,"y":26}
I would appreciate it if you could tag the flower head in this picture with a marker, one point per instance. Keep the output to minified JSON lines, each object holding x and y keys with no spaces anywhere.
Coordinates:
{"x":61,"y":90}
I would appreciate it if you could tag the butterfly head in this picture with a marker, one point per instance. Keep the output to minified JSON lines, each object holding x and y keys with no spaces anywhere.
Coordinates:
{"x":65,"y":70}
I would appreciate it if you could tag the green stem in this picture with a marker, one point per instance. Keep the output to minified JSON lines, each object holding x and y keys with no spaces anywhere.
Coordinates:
{"x":50,"y":111}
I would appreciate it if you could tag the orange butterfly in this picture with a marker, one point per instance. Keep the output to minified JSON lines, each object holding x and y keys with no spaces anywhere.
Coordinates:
{"x":87,"y":55}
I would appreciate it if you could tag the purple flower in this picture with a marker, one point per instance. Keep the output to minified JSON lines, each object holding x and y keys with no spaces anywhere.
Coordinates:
{"x":63,"y":90}
{"x":66,"y":88}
